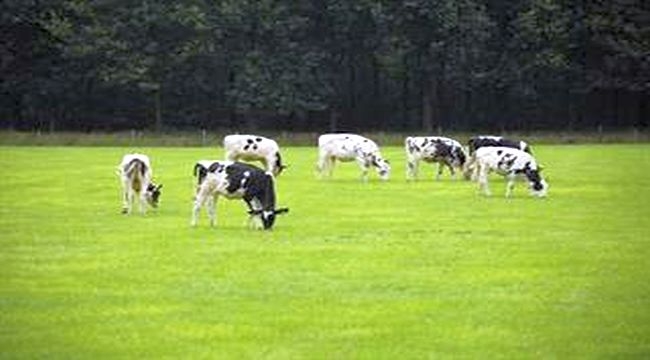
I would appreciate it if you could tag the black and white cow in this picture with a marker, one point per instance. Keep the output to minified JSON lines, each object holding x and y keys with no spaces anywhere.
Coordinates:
{"x":442,"y":150}
{"x":349,"y":147}
{"x":136,"y":176}
{"x":511,"y":163}
{"x":235,"y":180}
{"x":478,"y":142}
{"x":254,"y":148}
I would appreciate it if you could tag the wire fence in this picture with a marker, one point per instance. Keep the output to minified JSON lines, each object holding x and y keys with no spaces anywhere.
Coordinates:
{"x":204,"y":138}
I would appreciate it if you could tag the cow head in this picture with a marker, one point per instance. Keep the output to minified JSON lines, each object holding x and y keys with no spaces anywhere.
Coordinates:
{"x":268,"y":216}
{"x":538,"y":186}
{"x":382,"y":165}
{"x":153,"y":194}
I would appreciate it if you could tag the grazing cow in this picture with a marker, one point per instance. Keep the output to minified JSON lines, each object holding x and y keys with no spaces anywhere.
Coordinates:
{"x":236,"y":180}
{"x":254,"y":148}
{"x":349,"y":147}
{"x":136,"y":174}
{"x":445,"y":151}
{"x":510,"y":163}
{"x":478,"y":142}
{"x":489,"y":140}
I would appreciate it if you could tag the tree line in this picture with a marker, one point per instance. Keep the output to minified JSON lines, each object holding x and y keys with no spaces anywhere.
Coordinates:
{"x":317,"y":65}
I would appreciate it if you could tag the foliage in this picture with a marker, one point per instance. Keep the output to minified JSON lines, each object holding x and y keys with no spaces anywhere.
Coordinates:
{"x":409,"y":64}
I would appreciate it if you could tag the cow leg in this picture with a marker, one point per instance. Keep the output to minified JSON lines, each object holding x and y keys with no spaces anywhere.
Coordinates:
{"x":202,"y":196}
{"x":126,"y":199}
{"x":475,"y":171}
{"x":254,"y":220}
{"x":510,"y":185}
{"x":142,"y":196}
{"x":212,"y":209}
{"x":364,"y":169}
{"x":321,"y":165}
{"x":411,"y":169}
{"x":483,"y":179}
{"x":468,"y":169}
{"x":440,"y":165}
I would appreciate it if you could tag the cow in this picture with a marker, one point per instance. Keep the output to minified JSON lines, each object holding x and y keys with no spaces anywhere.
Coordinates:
{"x":442,"y":150}
{"x":511,"y":163}
{"x":254,"y":148}
{"x":480,"y":141}
{"x":235,"y":180}
{"x":349,"y":147}
{"x":136,"y":175}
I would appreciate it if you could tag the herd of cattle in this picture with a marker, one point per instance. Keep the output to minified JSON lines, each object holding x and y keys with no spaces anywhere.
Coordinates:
{"x":237,"y":180}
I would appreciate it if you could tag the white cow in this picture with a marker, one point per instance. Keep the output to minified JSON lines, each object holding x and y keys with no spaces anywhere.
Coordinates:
{"x":349,"y":147}
{"x":254,"y":148}
{"x":511,"y":163}
{"x":445,"y":151}
{"x":136,"y":175}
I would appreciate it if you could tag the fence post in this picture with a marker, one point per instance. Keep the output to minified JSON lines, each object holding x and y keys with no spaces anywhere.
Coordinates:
{"x":204,"y":136}
{"x":599,"y":129}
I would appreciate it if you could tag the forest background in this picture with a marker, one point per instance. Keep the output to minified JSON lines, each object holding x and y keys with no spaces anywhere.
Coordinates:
{"x":324,"y":65}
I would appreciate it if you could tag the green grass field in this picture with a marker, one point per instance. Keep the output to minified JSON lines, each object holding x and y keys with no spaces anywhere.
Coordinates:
{"x":379,"y":270}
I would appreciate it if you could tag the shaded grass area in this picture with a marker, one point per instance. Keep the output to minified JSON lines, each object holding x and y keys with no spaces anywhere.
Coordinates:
{"x":377,"y":270}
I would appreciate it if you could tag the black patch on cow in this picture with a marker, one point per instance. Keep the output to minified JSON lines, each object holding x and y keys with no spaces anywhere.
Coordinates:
{"x":216,"y":167}
{"x":460,"y":156}
{"x":412,"y":147}
{"x":258,"y":184}
{"x":479,"y":142}
{"x":200,"y":172}
{"x":246,"y":147}
{"x":506,"y":161}
{"x":499,"y":152}
{"x":250,"y":141}
{"x":258,"y":139}
{"x":255,"y":147}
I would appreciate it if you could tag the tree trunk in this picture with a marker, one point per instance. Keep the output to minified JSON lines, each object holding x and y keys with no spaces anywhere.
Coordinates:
{"x":334,"y":118}
{"x":428,"y":100}
{"x":158,"y":112}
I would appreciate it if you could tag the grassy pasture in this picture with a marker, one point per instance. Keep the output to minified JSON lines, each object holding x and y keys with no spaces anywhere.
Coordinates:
{"x":376,"y":270}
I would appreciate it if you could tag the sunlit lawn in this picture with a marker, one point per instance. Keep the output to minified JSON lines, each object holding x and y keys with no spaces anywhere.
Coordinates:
{"x":378,"y":270}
